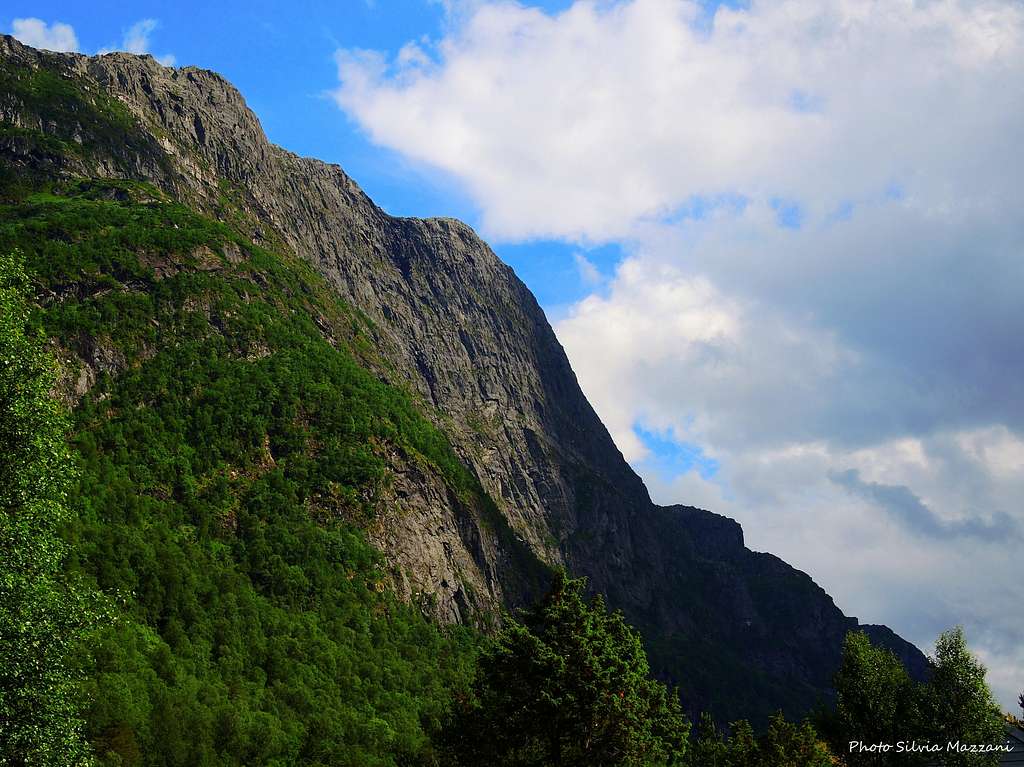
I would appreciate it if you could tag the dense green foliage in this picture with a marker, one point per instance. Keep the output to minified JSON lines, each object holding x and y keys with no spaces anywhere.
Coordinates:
{"x":957,"y":703}
{"x":225,"y":472}
{"x":878,"y":703}
{"x":876,"y":700}
{"x":41,"y":615}
{"x":229,"y":457}
{"x":782,"y":744}
{"x":568,"y":684}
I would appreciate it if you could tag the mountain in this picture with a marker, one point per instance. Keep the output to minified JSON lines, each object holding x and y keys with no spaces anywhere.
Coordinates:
{"x":156,"y":215}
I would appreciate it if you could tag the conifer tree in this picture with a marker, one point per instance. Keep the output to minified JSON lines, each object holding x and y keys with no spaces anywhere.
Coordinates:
{"x":709,"y":748}
{"x":569,"y":685}
{"x":783,"y":744}
{"x":787,"y":744}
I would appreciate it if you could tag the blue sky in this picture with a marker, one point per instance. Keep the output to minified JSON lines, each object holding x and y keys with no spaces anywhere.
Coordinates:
{"x":780,"y":242}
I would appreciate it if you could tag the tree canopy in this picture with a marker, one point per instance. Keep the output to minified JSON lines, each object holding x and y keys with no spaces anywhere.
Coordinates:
{"x":41,"y":616}
{"x":876,"y":700}
{"x":878,"y":703}
{"x":568,"y":684}
{"x":957,"y":703}
{"x":783,"y":744}
{"x":224,"y":471}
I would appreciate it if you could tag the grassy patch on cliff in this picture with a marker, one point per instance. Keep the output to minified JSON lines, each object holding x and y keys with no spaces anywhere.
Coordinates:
{"x":62,"y":118}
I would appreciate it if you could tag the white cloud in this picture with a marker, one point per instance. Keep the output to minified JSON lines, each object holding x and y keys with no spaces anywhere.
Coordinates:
{"x":878,"y":332}
{"x":582,"y":123}
{"x":136,"y":40}
{"x":52,"y":37}
{"x":588,"y":271}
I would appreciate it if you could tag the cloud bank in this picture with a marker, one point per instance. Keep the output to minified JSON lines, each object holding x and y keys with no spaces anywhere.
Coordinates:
{"x":583,"y":123}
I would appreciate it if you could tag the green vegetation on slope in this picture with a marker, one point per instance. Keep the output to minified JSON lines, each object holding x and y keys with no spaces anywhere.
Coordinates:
{"x":41,"y":614}
{"x":230,"y":453}
{"x":228,"y":460}
{"x":65,"y":123}
{"x":225,"y":470}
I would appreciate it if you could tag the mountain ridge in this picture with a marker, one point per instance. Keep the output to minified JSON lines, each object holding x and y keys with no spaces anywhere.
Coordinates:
{"x":455,"y":326}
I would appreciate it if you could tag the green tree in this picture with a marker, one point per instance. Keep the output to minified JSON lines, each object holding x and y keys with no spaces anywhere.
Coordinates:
{"x":783,"y":744}
{"x":41,"y":618}
{"x":876,"y":703}
{"x":958,"y":704}
{"x":568,"y":685}
{"x":787,"y":744}
{"x":709,"y":748}
{"x":743,"y":748}
{"x":220,"y":495}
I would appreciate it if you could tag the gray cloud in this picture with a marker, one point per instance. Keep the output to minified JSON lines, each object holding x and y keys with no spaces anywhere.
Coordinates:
{"x":909,"y":510}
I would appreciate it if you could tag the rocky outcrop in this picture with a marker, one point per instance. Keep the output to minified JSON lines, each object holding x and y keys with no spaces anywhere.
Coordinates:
{"x":438,"y":557}
{"x":453,"y":323}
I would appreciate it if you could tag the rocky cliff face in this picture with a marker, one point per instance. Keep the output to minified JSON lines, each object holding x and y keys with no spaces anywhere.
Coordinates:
{"x":452,"y":323}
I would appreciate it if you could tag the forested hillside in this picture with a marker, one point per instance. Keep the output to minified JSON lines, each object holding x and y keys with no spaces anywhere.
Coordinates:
{"x":229,"y":459}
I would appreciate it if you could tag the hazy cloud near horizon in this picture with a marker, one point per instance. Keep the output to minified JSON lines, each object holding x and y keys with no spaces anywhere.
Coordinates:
{"x":820,"y":206}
